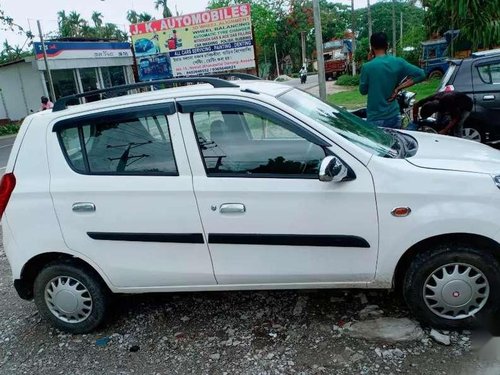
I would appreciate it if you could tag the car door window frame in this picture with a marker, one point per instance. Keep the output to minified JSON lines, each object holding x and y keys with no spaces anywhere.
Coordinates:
{"x":239,"y":106}
{"x":479,"y":64}
{"x":117,"y":115}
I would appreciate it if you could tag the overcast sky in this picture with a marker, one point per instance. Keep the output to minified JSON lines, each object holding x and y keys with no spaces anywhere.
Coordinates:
{"x":26,"y":12}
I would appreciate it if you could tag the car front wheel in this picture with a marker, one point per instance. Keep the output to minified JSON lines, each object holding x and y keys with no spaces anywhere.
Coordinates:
{"x":71,"y":298}
{"x":454,"y":287}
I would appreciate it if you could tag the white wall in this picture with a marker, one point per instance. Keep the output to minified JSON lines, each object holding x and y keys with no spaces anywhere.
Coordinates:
{"x":22,"y":88}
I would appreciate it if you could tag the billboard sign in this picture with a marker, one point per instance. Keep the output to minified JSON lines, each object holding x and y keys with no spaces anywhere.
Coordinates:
{"x":217,"y":40}
{"x":82,"y":50}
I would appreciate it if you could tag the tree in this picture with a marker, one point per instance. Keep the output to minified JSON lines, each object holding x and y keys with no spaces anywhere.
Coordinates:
{"x":145,"y":17}
{"x":76,"y":23}
{"x":165,"y":9}
{"x":478,"y":20}
{"x":97,"y":19}
{"x":73,"y":25}
{"x":111,"y":31}
{"x":7,"y":24}
{"x":132,"y":16}
{"x":12,"y":53}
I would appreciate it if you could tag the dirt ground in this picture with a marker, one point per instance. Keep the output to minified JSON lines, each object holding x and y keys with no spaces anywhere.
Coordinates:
{"x":275,"y":332}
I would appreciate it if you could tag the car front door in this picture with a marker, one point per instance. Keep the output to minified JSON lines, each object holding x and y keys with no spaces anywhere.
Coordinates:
{"x":122,"y":191}
{"x":267,"y":217}
{"x":486,"y":81}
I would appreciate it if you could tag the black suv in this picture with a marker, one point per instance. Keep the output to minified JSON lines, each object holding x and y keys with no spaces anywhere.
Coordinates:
{"x":479,"y":77}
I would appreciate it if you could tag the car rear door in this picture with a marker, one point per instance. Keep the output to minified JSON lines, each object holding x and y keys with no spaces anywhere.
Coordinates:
{"x":486,"y":83}
{"x":122,"y":190}
{"x":268,"y":218}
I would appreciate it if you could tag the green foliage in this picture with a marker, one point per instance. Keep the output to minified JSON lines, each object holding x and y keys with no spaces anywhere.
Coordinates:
{"x":353,"y":99}
{"x":164,"y":7}
{"x":348,"y":80}
{"x":478,"y":20}
{"x":134,"y":17}
{"x":12,"y":53}
{"x":73,"y":25}
{"x":413,"y":27}
{"x":9,"y":129}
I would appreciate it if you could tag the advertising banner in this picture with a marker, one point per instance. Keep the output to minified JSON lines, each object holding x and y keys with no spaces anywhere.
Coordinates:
{"x":212,"y":41}
{"x":82,"y":50}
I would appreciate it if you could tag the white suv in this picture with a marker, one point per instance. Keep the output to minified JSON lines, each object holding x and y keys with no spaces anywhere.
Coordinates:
{"x":245,"y":185}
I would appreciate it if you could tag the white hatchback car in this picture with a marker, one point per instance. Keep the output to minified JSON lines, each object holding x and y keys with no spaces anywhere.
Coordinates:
{"x":245,"y":185}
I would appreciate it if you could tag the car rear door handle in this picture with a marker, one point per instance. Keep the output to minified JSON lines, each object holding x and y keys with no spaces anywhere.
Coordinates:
{"x":232,"y":208}
{"x":83,"y":207}
{"x":489,"y":97}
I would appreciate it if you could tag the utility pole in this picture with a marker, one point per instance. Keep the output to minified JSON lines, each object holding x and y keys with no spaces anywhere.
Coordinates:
{"x":303,"y":46}
{"x":369,"y":19}
{"x":49,"y":74}
{"x":353,"y":21}
{"x":394,"y":27}
{"x":277,"y":62}
{"x":319,"y":50}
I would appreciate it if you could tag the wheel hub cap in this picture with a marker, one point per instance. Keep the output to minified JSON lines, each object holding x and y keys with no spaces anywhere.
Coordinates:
{"x":456,"y":291}
{"x":471,"y":134}
{"x":68,"y":299}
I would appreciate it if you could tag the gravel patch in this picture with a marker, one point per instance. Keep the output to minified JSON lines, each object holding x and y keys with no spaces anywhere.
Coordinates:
{"x":275,"y":332}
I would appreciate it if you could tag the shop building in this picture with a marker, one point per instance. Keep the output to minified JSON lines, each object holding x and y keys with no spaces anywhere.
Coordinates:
{"x":76,"y":67}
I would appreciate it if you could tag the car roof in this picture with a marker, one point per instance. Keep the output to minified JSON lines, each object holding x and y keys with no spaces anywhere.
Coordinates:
{"x":488,"y":53}
{"x":243,"y":88}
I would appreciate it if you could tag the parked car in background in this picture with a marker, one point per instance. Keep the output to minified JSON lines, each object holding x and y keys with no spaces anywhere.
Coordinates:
{"x":245,"y":185}
{"x":479,"y":77}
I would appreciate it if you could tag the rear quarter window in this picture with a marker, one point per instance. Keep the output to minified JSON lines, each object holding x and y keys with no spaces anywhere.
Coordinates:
{"x":130,"y":145}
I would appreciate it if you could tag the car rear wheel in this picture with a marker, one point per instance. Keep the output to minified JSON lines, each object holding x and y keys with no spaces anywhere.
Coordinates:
{"x":453,"y":286}
{"x":71,"y":298}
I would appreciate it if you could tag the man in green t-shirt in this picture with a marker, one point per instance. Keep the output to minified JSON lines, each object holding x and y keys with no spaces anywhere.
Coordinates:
{"x":380,"y":78}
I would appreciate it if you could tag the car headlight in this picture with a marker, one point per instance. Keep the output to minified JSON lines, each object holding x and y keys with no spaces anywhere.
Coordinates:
{"x":496,"y":179}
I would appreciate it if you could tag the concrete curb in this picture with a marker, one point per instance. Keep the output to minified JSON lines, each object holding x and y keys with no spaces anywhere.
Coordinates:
{"x":8,"y":136}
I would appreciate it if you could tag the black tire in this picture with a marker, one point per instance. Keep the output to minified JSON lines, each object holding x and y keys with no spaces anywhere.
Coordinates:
{"x":424,"y":265}
{"x":96,"y":288}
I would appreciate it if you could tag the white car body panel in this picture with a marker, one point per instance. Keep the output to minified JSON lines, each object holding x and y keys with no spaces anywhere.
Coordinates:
{"x":135,"y":204}
{"x":448,"y":185}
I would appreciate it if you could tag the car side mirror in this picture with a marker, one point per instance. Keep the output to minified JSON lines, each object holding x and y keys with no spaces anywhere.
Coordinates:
{"x":333,"y":169}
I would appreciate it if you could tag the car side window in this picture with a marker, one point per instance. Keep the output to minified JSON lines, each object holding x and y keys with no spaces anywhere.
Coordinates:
{"x":245,"y":144}
{"x":490,"y":73}
{"x":127,"y":145}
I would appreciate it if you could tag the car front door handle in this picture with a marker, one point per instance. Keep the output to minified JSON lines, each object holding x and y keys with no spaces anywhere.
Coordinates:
{"x":232,"y":208}
{"x":489,"y":97}
{"x":83,"y":207}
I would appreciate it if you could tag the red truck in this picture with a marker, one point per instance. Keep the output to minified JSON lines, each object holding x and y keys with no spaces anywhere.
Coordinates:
{"x":337,"y":56}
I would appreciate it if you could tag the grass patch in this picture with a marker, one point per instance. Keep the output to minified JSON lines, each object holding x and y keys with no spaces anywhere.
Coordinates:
{"x":9,"y":129}
{"x":348,"y":80}
{"x":353,"y":99}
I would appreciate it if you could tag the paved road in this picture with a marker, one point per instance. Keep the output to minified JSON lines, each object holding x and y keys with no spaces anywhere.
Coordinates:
{"x":312,"y":81}
{"x":5,"y":147}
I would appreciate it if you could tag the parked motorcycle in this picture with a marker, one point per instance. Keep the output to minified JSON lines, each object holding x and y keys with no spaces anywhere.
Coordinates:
{"x":405,"y":100}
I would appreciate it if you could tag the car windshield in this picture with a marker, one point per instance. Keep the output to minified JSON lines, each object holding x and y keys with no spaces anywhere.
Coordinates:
{"x":367,"y":136}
